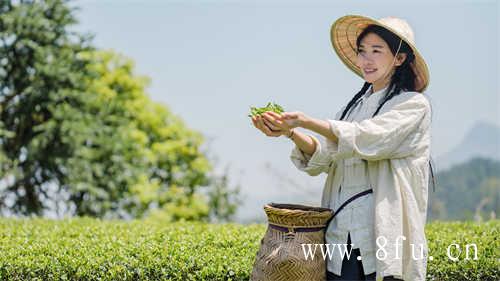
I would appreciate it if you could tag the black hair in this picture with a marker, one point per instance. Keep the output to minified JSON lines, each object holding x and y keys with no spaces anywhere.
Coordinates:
{"x":403,"y":78}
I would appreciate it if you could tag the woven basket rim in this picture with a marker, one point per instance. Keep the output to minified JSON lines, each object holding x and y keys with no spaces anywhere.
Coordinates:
{"x":297,"y":207}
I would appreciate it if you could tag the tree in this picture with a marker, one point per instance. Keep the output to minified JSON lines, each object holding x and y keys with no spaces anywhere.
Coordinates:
{"x":135,"y":153}
{"x":463,"y":188}
{"x":41,"y":81}
{"x":78,"y":128}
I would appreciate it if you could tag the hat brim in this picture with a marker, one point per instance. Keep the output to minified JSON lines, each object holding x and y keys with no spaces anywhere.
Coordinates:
{"x":343,"y":35}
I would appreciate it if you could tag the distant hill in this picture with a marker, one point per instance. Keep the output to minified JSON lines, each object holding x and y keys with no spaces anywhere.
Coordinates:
{"x":467,"y":191}
{"x":482,"y":140}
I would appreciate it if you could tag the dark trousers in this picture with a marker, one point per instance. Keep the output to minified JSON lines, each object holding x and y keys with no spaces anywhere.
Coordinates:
{"x":352,"y":268}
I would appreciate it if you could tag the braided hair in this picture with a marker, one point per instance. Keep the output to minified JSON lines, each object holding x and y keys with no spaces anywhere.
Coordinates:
{"x":403,"y":78}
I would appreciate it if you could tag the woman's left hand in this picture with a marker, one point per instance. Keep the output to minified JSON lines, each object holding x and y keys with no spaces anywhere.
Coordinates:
{"x":286,"y":120}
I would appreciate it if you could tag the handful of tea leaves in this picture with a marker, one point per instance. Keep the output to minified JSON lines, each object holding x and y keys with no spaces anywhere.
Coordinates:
{"x":269,"y":107}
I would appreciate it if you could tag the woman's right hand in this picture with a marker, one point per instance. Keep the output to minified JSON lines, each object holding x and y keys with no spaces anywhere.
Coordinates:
{"x":267,"y":127}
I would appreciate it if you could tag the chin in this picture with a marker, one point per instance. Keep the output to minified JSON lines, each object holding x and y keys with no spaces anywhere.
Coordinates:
{"x":371,"y":79}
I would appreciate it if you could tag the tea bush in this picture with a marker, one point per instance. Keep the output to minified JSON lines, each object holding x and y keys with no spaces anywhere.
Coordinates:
{"x":92,"y":249}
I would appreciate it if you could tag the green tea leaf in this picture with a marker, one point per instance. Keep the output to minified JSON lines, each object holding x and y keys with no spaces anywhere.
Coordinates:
{"x":269,"y":107}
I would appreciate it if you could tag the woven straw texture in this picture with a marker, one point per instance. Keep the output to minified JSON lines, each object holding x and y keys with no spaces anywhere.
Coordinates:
{"x":280,"y":256}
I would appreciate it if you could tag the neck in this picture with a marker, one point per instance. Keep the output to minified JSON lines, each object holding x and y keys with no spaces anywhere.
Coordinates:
{"x":378,"y":86}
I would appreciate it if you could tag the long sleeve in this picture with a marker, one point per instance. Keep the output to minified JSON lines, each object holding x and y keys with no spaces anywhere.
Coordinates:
{"x":392,"y":134}
{"x":315,"y":164}
{"x":321,"y":160}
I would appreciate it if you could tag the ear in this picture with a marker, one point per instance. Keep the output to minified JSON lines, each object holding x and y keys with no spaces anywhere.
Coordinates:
{"x":400,"y":58}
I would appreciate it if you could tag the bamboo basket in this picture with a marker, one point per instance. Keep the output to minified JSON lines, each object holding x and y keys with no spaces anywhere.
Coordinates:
{"x":280,"y":256}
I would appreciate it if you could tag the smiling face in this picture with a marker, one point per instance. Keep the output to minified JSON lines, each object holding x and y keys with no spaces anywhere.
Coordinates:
{"x":375,"y":60}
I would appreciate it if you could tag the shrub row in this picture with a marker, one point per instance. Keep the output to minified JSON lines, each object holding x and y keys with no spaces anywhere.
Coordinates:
{"x":90,"y":249}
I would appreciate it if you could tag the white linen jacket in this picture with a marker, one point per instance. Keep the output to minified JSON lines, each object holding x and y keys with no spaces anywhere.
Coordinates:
{"x":396,"y":144}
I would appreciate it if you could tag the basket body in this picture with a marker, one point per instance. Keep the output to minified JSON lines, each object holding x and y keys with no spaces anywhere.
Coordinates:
{"x":281,"y":256}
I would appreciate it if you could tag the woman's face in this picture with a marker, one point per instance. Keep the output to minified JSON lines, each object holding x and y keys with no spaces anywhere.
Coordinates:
{"x":375,"y":60}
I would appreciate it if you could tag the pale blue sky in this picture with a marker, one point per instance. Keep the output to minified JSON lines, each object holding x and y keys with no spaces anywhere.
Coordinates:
{"x":209,"y":61}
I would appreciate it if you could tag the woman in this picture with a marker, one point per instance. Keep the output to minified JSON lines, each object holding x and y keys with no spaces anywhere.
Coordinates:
{"x":376,"y":152}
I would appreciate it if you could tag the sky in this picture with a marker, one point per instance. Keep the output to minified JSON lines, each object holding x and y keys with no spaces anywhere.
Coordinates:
{"x":209,"y":61}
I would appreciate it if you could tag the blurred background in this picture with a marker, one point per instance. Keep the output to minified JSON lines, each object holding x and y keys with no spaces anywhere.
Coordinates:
{"x":138,"y":109}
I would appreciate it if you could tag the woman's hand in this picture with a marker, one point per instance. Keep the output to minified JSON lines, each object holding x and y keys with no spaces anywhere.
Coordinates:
{"x":295,"y":119}
{"x":274,"y":125}
{"x":268,"y":127}
{"x":286,"y":120}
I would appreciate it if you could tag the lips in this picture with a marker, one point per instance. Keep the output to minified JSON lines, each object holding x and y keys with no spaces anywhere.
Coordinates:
{"x":369,"y":70}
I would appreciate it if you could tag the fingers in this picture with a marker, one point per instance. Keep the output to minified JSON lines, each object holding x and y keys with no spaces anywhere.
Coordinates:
{"x":265,"y":126}
{"x":274,"y":120}
{"x":271,"y":122}
{"x":275,"y":124}
{"x":257,"y":123}
{"x":292,"y":119}
{"x":274,"y":114}
{"x":266,"y":130}
{"x":271,"y":125}
{"x":254,"y":121}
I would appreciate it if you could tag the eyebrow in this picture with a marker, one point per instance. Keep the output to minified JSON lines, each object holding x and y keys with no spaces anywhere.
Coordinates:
{"x":373,"y":46}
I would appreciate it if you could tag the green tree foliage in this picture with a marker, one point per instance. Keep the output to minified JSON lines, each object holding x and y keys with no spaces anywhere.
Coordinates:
{"x":77,"y":127}
{"x":466,"y":191}
{"x":41,"y":85}
{"x":135,"y":153}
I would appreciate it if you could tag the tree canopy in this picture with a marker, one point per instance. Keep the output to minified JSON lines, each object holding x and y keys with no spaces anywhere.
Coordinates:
{"x":79,"y":134}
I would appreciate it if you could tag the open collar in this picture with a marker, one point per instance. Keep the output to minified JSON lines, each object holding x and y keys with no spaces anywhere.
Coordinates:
{"x":374,"y":97}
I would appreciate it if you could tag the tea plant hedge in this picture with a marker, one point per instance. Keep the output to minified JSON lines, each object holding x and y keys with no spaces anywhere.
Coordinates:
{"x":90,"y":249}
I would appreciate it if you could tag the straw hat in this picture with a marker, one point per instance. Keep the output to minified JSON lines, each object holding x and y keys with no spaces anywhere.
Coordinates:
{"x":346,"y":29}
